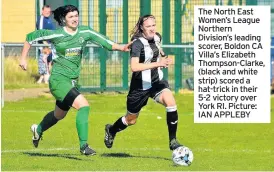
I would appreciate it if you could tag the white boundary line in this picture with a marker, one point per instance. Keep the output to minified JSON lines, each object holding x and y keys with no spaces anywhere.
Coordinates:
{"x":92,"y":112}
{"x":36,"y":150}
{"x":45,"y":111}
{"x":143,"y":149}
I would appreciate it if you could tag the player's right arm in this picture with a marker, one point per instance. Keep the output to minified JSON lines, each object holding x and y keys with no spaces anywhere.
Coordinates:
{"x":41,"y":35}
{"x":23,"y":60}
{"x":38,"y":35}
{"x":136,"y":66}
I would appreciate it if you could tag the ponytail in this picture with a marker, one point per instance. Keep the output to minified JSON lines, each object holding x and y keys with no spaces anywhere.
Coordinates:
{"x":137,"y":30}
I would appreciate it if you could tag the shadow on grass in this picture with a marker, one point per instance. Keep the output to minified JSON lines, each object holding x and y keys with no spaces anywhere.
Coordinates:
{"x":126,"y":155}
{"x":67,"y":156}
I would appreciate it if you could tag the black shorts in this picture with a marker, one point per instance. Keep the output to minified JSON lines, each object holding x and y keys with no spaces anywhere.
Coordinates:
{"x":137,"y":98}
{"x":68,"y":100}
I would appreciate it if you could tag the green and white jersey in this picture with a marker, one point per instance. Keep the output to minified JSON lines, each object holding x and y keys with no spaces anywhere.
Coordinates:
{"x":67,"y":48}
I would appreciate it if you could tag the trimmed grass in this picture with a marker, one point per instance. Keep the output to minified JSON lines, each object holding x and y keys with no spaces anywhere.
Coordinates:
{"x":142,"y":147}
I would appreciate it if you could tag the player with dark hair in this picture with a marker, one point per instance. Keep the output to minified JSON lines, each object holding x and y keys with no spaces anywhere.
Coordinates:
{"x":68,"y":43}
{"x":147,"y":81}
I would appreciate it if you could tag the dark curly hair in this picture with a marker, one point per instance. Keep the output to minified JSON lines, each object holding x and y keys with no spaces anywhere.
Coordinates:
{"x":61,"y":12}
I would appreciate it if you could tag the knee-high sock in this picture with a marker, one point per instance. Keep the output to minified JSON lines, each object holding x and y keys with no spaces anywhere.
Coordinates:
{"x":119,"y":125}
{"x":82,"y":124}
{"x":172,"y":121}
{"x":48,"y":121}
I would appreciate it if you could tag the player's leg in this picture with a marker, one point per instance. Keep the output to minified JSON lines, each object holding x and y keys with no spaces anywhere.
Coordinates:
{"x":136,"y":99}
{"x":164,"y":96}
{"x":121,"y":124}
{"x":81,"y":104}
{"x":66,"y":91}
{"x":73,"y":98}
{"x":60,"y":88}
{"x":53,"y":117}
{"x":48,"y":121}
{"x":63,"y":90}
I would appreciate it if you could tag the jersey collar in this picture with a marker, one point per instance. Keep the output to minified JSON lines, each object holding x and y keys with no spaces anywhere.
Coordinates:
{"x":72,"y":34}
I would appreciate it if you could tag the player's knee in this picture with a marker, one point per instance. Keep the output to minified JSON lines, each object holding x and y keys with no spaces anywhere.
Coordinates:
{"x":75,"y":99}
{"x":131,"y":119}
{"x":84,"y":103}
{"x":168,"y":99}
{"x":61,"y":110}
{"x":80,"y":102}
{"x":60,"y":115}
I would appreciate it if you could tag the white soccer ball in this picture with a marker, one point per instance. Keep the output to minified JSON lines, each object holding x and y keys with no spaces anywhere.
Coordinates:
{"x":182,"y":156}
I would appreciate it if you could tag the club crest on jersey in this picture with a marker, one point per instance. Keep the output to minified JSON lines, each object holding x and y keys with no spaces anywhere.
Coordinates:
{"x":81,"y":40}
{"x":72,"y":52}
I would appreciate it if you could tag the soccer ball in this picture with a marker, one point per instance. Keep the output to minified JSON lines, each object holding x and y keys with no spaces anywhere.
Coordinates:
{"x":182,"y":156}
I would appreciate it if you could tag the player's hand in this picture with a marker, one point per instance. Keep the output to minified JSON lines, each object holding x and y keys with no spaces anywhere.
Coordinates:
{"x":127,"y":46}
{"x":23,"y":64}
{"x":164,"y":62}
{"x":170,"y":60}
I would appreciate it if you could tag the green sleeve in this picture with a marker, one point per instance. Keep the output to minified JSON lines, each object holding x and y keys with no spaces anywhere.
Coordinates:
{"x":100,"y":39}
{"x":41,"y":35}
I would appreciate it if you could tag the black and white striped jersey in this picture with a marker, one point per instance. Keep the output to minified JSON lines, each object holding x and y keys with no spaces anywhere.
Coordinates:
{"x":148,"y":52}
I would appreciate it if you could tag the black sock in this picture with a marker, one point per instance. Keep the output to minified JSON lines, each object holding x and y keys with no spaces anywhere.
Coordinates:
{"x":117,"y":126}
{"x":48,"y":121}
{"x":172,"y":121}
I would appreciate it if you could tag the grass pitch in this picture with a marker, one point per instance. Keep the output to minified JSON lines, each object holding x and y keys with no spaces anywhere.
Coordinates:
{"x":142,"y":147}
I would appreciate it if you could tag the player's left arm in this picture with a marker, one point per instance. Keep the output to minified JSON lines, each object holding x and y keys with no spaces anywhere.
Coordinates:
{"x":162,"y":53}
{"x":106,"y":42}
